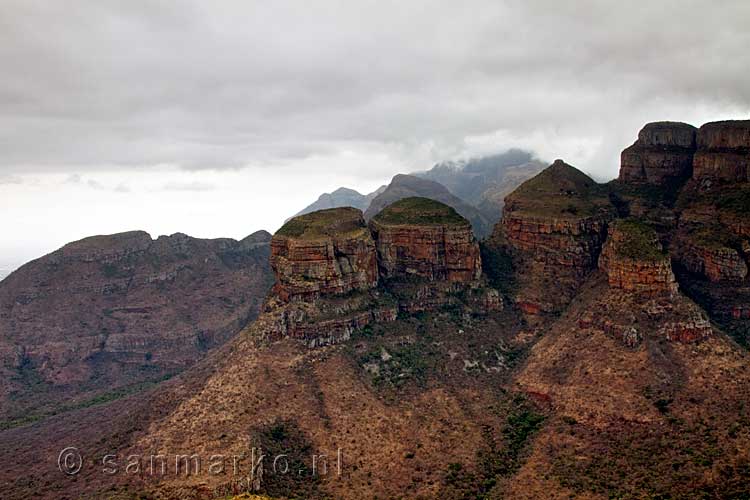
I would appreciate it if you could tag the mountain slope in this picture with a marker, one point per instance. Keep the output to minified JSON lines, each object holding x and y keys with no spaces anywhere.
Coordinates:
{"x":108,"y":312}
{"x":407,"y":186}
{"x":342,"y":197}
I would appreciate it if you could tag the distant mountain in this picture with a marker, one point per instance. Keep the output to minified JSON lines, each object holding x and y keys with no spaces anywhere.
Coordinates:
{"x":342,"y":197}
{"x":406,"y":186}
{"x":485,"y":181}
{"x":110,"y":312}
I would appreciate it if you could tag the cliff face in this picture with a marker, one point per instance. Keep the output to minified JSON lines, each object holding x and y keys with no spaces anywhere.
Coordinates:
{"x":553,"y":227}
{"x":634,"y":260}
{"x":109,"y":311}
{"x":328,"y":266}
{"x":323,"y":253}
{"x":418,"y":237}
{"x":663,"y":152}
{"x":723,"y":151}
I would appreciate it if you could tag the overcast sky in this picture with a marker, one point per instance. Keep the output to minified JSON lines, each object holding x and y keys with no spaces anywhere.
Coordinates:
{"x":224,"y":117}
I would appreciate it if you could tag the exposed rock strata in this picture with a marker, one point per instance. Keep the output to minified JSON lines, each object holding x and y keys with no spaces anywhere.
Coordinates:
{"x":723,"y":152}
{"x":418,"y":237}
{"x":553,"y":227}
{"x":323,"y":253}
{"x":634,"y":260}
{"x":663,"y":152}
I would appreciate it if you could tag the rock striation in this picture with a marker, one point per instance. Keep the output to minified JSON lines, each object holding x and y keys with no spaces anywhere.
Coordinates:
{"x":553,"y":228}
{"x":663,"y":153}
{"x":723,"y":152}
{"x":335,"y":275}
{"x":323,"y":253}
{"x":419,"y":237}
{"x":634,"y":260}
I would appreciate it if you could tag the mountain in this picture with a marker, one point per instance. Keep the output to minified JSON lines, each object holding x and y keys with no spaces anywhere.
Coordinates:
{"x":342,"y":197}
{"x":108,"y":314}
{"x":406,"y":186}
{"x":485,"y":181}
{"x":594,"y":346}
{"x":4,"y":273}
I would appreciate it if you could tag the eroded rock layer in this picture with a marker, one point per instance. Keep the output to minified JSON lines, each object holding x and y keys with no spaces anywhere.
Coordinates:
{"x":553,"y":226}
{"x":634,"y":260}
{"x":663,"y":152}
{"x":723,"y":151}
{"x":418,"y":237}
{"x":326,"y":252}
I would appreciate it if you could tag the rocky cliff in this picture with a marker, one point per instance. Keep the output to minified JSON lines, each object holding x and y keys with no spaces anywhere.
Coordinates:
{"x":634,"y":261}
{"x":662,"y":154}
{"x":323,"y":253}
{"x":553,"y":228}
{"x":723,"y":152}
{"x":112,"y":311}
{"x":419,"y":237}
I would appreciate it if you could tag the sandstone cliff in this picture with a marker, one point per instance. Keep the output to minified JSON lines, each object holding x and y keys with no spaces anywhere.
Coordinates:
{"x":662,"y":154}
{"x":323,"y":253}
{"x":723,"y":152}
{"x":419,"y":237}
{"x":553,"y":228}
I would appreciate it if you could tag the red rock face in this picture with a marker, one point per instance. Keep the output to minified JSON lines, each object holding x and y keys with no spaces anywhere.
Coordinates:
{"x":715,"y":263}
{"x":650,"y":277}
{"x":551,"y":255}
{"x":663,"y":151}
{"x":723,"y":152}
{"x":307,"y":268}
{"x":437,"y":253}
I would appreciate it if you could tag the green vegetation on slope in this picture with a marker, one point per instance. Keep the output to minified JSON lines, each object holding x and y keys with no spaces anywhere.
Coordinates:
{"x":324,"y":223}
{"x":419,"y":211}
{"x":641,"y":241}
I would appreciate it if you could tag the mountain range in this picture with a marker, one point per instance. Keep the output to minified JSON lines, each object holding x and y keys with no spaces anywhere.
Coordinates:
{"x":593,"y":345}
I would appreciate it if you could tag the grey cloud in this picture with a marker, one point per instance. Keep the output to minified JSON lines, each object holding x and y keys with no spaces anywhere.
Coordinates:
{"x":205,"y":85}
{"x":188,"y":186}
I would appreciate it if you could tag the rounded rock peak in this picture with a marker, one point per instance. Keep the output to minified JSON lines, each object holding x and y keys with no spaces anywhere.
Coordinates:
{"x":321,"y":224}
{"x":668,"y":134}
{"x":419,"y":211}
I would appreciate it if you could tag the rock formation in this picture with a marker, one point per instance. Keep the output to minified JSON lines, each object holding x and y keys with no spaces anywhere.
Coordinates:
{"x":634,"y":260}
{"x":723,"y":152}
{"x":419,"y":237}
{"x":323,"y":253}
{"x":553,"y":226}
{"x":663,"y":153}
{"x":327,"y":280}
{"x":109,"y":311}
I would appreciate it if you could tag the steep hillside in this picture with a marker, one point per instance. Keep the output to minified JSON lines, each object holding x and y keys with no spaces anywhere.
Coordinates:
{"x":102,"y":315}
